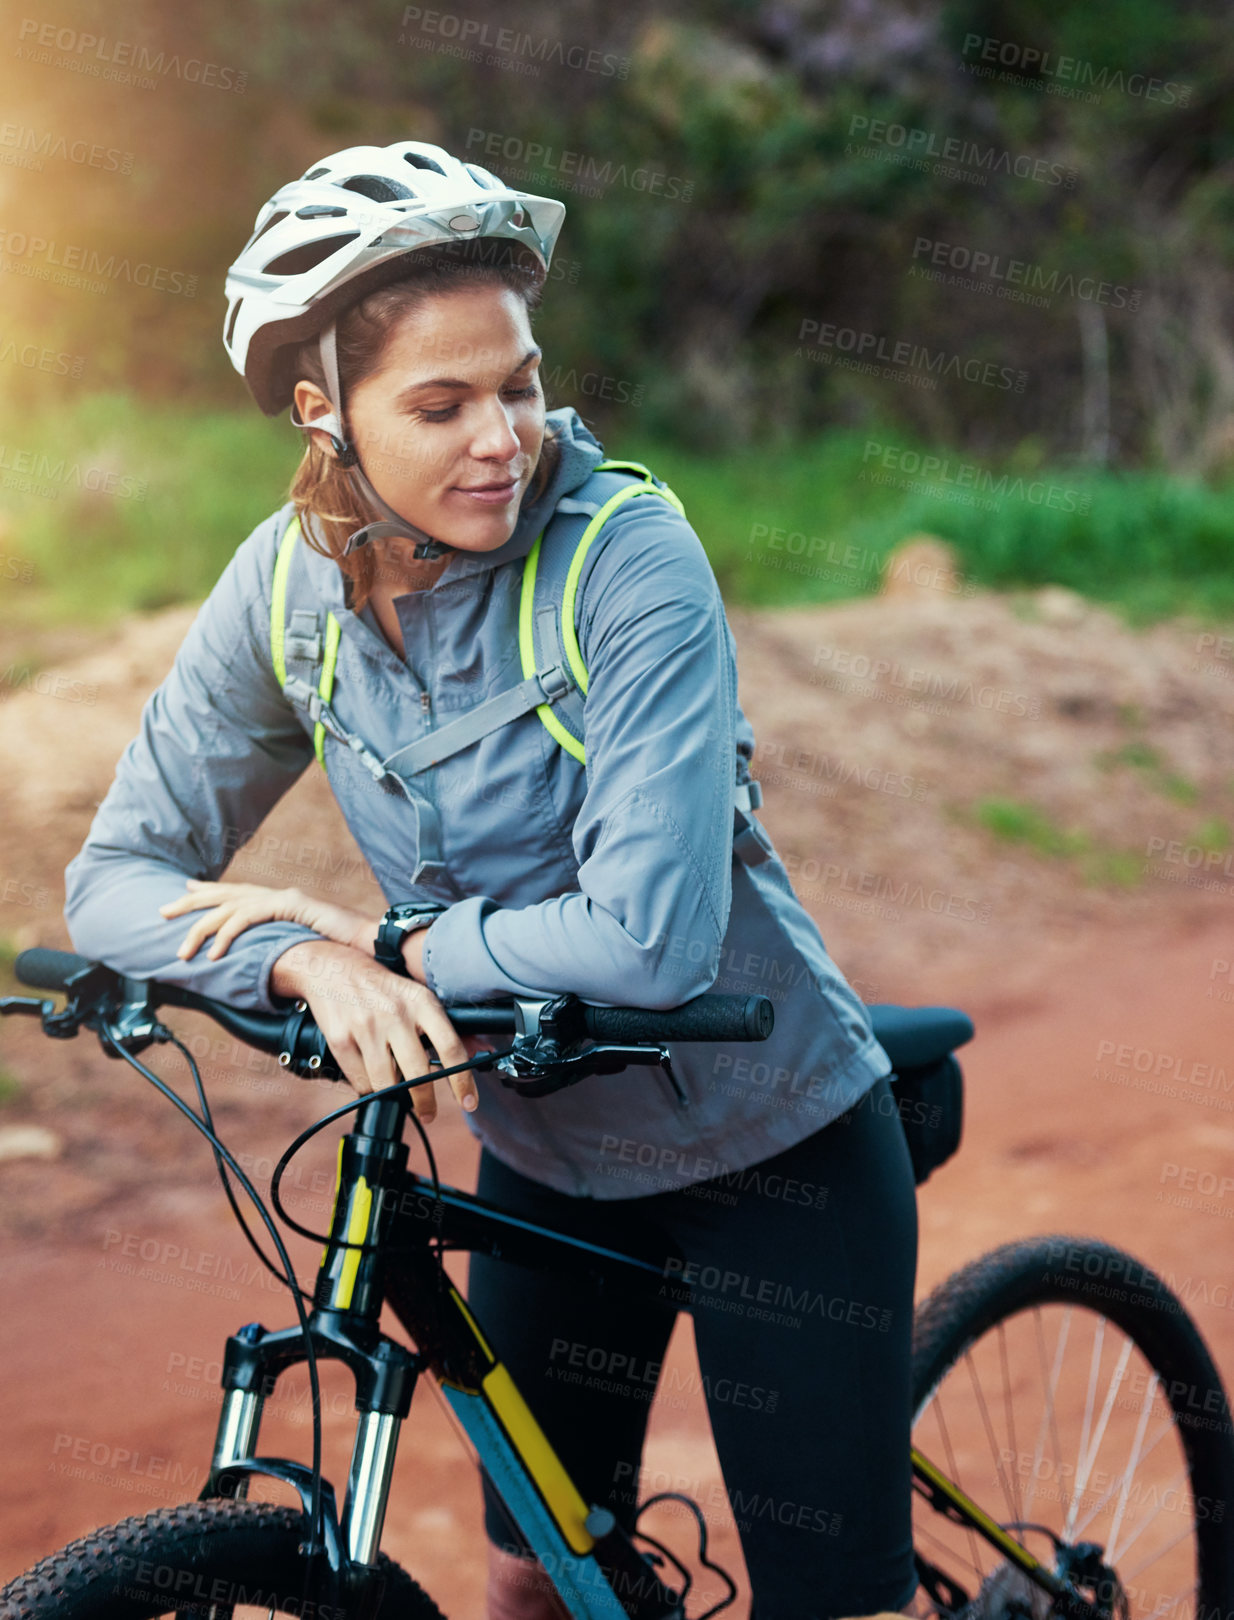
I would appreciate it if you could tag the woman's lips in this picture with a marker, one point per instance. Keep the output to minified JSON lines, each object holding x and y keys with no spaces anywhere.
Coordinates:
{"x":488,"y":494}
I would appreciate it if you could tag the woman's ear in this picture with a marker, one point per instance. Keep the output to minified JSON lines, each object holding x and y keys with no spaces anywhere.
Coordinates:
{"x":310,"y":404}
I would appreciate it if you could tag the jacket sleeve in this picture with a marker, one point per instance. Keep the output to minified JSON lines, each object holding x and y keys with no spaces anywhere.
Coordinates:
{"x":218,"y":746}
{"x":653,"y":837}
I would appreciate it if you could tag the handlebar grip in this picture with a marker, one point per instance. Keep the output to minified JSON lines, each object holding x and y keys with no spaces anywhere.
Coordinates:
{"x":709,"y":1017}
{"x":45,"y":969}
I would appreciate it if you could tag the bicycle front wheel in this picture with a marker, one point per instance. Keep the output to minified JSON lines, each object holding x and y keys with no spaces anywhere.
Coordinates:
{"x":212,"y":1560}
{"x":1063,"y":1387}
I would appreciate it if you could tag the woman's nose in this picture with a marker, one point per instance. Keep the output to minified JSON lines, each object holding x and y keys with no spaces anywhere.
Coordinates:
{"x":495,"y":438}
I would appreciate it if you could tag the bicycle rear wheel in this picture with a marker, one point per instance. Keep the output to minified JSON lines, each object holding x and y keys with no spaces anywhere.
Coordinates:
{"x":211,"y":1560}
{"x":1063,"y":1387}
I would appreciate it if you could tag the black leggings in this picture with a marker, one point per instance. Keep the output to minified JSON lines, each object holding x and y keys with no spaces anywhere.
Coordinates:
{"x":803,"y":1270}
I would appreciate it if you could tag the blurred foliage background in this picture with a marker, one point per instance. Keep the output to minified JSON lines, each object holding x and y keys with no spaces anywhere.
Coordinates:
{"x":741,"y":176}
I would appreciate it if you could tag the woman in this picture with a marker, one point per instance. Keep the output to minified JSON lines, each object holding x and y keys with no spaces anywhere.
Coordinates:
{"x":386,"y":296}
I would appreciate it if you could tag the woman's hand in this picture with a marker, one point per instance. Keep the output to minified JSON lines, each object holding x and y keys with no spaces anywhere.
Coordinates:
{"x":237,"y":906}
{"x":376,"y":1022}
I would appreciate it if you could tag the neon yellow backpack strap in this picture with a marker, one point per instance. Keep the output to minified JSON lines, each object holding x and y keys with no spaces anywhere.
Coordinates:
{"x":278,"y":616}
{"x":326,"y":684}
{"x":527,"y":653}
{"x":569,"y":638}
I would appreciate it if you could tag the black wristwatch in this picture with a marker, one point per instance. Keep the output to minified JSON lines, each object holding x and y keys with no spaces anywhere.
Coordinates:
{"x":399,"y":921}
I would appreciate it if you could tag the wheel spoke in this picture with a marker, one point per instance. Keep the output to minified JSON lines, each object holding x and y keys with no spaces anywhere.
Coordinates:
{"x":923,"y":1534}
{"x":1133,"y":1459}
{"x":1166,"y":1428}
{"x":1049,"y":1417}
{"x":1129,"y":1574}
{"x":1009,"y":1415}
{"x":954,"y":1474}
{"x":1107,"y":1407}
{"x":1152,"y":1519}
{"x":1086,"y":1428}
{"x":1008,"y":1495}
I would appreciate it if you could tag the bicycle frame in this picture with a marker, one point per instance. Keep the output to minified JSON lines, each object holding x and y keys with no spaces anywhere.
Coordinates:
{"x":597,"y":1569}
{"x":381,"y":1207}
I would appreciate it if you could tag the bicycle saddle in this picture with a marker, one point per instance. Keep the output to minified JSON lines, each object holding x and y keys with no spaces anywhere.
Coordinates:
{"x":915,"y":1036}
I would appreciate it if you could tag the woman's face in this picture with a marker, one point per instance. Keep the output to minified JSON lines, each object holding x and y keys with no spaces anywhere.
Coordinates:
{"x":449,"y":428}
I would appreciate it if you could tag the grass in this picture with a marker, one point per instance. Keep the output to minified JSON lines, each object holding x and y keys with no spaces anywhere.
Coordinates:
{"x":806,"y":522}
{"x":186,"y":488}
{"x":1014,"y":822}
{"x":1148,"y":761}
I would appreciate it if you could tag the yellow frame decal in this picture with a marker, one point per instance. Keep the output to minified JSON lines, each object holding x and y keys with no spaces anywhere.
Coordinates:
{"x":1018,"y":1554}
{"x":539,"y":1458}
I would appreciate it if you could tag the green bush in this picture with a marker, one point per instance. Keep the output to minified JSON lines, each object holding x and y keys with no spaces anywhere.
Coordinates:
{"x":794,"y":521}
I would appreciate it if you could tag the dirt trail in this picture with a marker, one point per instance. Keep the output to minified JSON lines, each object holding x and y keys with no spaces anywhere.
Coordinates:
{"x":1100,"y":1085}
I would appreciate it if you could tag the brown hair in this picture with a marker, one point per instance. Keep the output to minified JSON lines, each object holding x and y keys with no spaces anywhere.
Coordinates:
{"x":321,"y":490}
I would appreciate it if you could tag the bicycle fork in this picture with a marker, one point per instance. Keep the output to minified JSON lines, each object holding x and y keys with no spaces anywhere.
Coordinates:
{"x":343,"y":1324}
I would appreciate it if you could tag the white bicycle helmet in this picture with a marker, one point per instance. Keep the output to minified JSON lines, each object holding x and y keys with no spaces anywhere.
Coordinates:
{"x":338,"y":233}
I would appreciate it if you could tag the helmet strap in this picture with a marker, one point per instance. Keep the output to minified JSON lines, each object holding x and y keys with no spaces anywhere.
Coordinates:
{"x":393,"y":524}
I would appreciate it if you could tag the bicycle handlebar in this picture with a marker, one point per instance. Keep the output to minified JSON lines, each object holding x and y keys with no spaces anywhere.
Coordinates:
{"x":708,"y":1017}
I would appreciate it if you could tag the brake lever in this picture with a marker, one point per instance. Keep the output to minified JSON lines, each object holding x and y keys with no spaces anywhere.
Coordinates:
{"x":539,"y":1065}
{"x":96,"y":997}
{"x":61,"y":1025}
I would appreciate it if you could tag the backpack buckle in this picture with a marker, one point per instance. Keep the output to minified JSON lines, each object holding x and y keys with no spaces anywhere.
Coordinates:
{"x":748,"y":796}
{"x":303,"y":636}
{"x":555,"y":682}
{"x":751,"y":844}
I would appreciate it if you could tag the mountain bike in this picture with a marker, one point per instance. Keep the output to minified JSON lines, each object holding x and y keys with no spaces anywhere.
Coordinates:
{"x":1096,"y":1486}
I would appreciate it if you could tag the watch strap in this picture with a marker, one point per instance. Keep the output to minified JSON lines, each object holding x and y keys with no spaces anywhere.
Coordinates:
{"x":400,"y":920}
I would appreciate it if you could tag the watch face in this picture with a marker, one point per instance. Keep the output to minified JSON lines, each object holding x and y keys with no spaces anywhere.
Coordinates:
{"x":410,"y":915}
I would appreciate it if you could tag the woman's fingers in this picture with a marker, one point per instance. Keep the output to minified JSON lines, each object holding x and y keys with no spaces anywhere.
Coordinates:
{"x":449,"y":1046}
{"x":382,"y":1036}
{"x":427,"y":1022}
{"x":185,"y":902}
{"x":348,"y":1056}
{"x":243,"y":905}
{"x":201,"y":930}
{"x":235,"y":924}
{"x":424,"y":1101}
{"x":413,"y":1060}
{"x":207,"y":894}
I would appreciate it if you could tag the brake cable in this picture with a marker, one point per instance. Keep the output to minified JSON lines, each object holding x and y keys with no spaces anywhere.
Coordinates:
{"x":482,"y":1061}
{"x":316,"y":1542}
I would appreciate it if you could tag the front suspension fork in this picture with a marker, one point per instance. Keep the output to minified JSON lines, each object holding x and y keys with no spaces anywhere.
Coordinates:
{"x":343,"y":1325}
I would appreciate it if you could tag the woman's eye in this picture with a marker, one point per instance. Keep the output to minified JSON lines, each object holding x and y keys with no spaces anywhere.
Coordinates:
{"x":448,"y":411}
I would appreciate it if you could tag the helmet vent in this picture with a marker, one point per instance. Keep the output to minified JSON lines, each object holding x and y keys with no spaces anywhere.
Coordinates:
{"x":231,"y":321}
{"x":315,"y":174}
{"x":275,"y":219}
{"x":308,"y":256}
{"x":418,"y":162}
{"x":481,"y":176}
{"x":376,"y":187}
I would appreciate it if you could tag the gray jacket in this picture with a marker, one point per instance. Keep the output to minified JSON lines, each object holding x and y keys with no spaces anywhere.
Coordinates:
{"x":616,"y":880}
